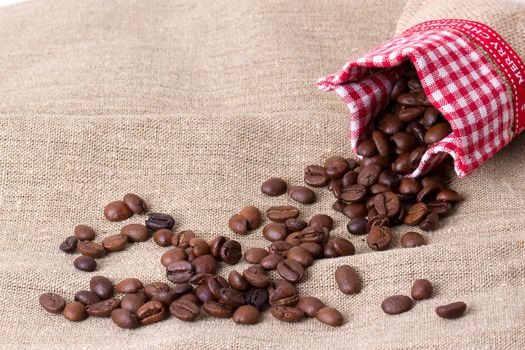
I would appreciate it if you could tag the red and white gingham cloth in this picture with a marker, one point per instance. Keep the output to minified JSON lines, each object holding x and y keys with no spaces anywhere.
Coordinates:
{"x":458,"y":80}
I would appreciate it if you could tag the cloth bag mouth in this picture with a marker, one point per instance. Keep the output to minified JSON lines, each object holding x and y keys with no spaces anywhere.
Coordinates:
{"x":457,"y":76}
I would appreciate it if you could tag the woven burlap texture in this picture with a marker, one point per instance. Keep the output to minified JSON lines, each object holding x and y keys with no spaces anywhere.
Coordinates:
{"x":192,"y":104}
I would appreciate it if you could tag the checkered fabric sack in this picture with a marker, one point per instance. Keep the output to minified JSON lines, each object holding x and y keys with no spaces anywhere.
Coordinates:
{"x":467,"y":71}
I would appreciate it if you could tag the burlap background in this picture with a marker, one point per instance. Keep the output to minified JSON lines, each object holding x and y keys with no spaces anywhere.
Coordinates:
{"x":192,"y":105}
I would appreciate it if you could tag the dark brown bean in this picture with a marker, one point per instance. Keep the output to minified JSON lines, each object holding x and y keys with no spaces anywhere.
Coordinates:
{"x":439,"y":207}
{"x":151,"y":312}
{"x":52,"y":302}
{"x":282,"y":292}
{"x":85,"y":263}
{"x":87,"y":297}
{"x":430,"y":223}
{"x":232,"y":297}
{"x":179,"y":271}
{"x":330,"y":316}
{"x":310,"y":305}
{"x":357,"y":226}
{"x":387,"y":204}
{"x":246,"y":314}
{"x":414,"y":99}
{"x":184,"y":310}
{"x":157,"y":221}
{"x":217,"y":309}
{"x":369,"y":175}
{"x":347,"y":279}
{"x":295,"y":224}
{"x":396,"y":304}
{"x":135,"y":232}
{"x":257,"y":297}
{"x":256,"y":276}
{"x":172,"y":255}
{"x":302,"y":194}
{"x":132,"y":302}
{"x":75,"y":311}
{"x":101,"y":286}
{"x":405,"y":141}
{"x":451,"y":311}
{"x":163,"y":237}
{"x":129,"y":285}
{"x":255,"y":255}
{"x":367,"y":148}
{"x":124,"y":319}
{"x":238,"y":224}
{"x":336,"y":167}
{"x":91,"y":249}
{"x":315,"y":175}
{"x":379,"y":237}
{"x":153,"y":288}
{"x":315,"y":234}
{"x":281,"y":213}
{"x":290,"y":270}
{"x":205,"y":264}
{"x":280,"y":248}
{"x":382,"y":143}
{"x":399,"y":87}
{"x":275,"y":232}
{"x":415,"y":214}
{"x":115,"y":243}
{"x":84,"y":233}
{"x":411,"y":114}
{"x":274,"y":187}
{"x":300,"y":255}
{"x":412,"y":239}
{"x":437,"y":132}
{"x":322,"y":220}
{"x":69,"y":245}
{"x":390,"y":124}
{"x":421,"y":289}
{"x":237,"y":281}
{"x":355,"y":210}
{"x":231,"y":252}
{"x":355,"y":193}
{"x":103,"y":308}
{"x":203,"y":293}
{"x":271,"y":261}
{"x":253,"y":216}
{"x":117,"y":211}
{"x":287,"y":313}
{"x":448,"y":195}
{"x":135,"y":203}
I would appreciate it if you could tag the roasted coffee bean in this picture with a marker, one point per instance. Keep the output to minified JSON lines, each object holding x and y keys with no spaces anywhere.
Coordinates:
{"x":189,"y":297}
{"x":237,"y":281}
{"x":421,"y":289}
{"x":275,"y":231}
{"x":215,"y":246}
{"x":271,"y":261}
{"x":179,"y":271}
{"x":253,"y":216}
{"x":315,"y":249}
{"x":294,"y":238}
{"x":184,"y":240}
{"x":379,"y":237}
{"x":399,"y":87}
{"x":84,"y":233}
{"x":347,"y":279}
{"x":431,"y":116}
{"x":396,"y":304}
{"x":329,"y":250}
{"x":203,"y":293}
{"x":165,"y":296}
{"x":281,"y":213}
{"x":357,"y":226}
{"x":349,"y":179}
{"x":355,"y":193}
{"x":412,"y":239}
{"x":287,"y":313}
{"x":199,"y":247}
{"x":432,"y":182}
{"x":200,"y":278}
{"x":315,"y":175}
{"x":427,"y":194}
{"x":255,"y":255}
{"x":205,"y":264}
{"x":388,"y":178}
{"x":451,"y":311}
{"x":117,"y":211}
{"x":367,"y":148}
{"x":418,"y":130}
{"x":274,"y":187}
{"x":376,"y":220}
{"x":157,"y":221}
{"x":103,"y":308}
{"x":52,"y":302}
{"x":355,"y":210}
{"x":369,"y":175}
{"x":448,"y":195}
{"x":101,"y":286}
{"x":91,"y":249}
{"x":330,"y":316}
{"x":85,"y":263}
{"x":439,"y":207}
{"x":378,"y":188}
{"x":184,"y":310}
{"x":290,"y":270}
{"x":294,"y":224}
{"x":310,"y":305}
{"x":231,"y":252}
{"x":217,"y":309}
{"x":409,"y":186}
{"x":256,"y":276}
{"x":336,"y":186}
{"x":115,"y":243}
{"x":382,"y":143}
{"x":69,"y":245}
{"x":411,"y":114}
{"x":246,"y":314}
{"x":280,"y":248}
{"x":129,"y":285}
{"x":124,"y":319}
{"x":437,"y":132}
{"x":282,"y":292}
{"x":414,"y":99}
{"x":215,"y":284}
{"x":75,"y":311}
{"x":135,"y":203}
{"x":257,"y":297}
{"x":300,"y":255}
{"x":430,"y":223}
{"x":232,"y":297}
{"x":302,"y":194}
{"x":405,"y":141}
{"x":163,"y":237}
{"x":238,"y":224}
{"x":151,"y":312}
{"x":322,"y":220}
{"x":400,"y":217}
{"x":336,"y":167}
{"x":416,"y":213}
{"x":172,"y":255}
{"x":387,"y":204}
{"x":132,"y":302}
{"x":343,"y":247}
{"x":184,"y":288}
{"x":153,"y":288}
{"x":414,"y":85}
{"x":87,"y":297}
{"x":315,"y":234}
{"x":402,"y":164}
{"x":190,"y":254}
{"x":390,"y":124}
{"x":135,"y":232}
{"x":416,"y":155}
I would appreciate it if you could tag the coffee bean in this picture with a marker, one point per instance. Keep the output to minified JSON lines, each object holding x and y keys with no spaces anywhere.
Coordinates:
{"x":275,"y":231}
{"x":411,"y":114}
{"x":286,"y":313}
{"x":378,"y":188}
{"x":290,"y":270}
{"x":84,"y":233}
{"x":75,"y":311}
{"x":271,"y":261}
{"x":437,"y":133}
{"x":390,"y":124}
{"x":418,"y":130}
{"x":117,"y":211}
{"x":412,"y":239}
{"x":421,"y":289}
{"x":232,"y":297}
{"x":52,"y":302}
{"x":282,"y":292}
{"x":199,"y":247}
{"x":215,"y":246}
{"x":414,"y":85}
{"x":369,"y":175}
{"x":310,"y":305}
{"x":336,"y":167}
{"x":451,"y":311}
{"x":414,"y":99}
{"x":217,"y":309}
{"x":129,"y":285}
{"x":157,"y":221}
{"x":300,"y":255}
{"x":315,"y":249}
{"x":179,"y":271}
{"x":315,"y":175}
{"x":257,"y":297}
{"x":379,"y":237}
{"x":255,"y":255}
{"x":432,"y":182}
{"x":402,"y":164}
{"x":330,"y":316}
{"x":427,"y":194}
{"x":184,"y":310}
{"x":203,"y":293}
{"x":238,"y":224}
{"x":153,"y":288}
{"x":69,"y":245}
{"x":382,"y":143}
{"x":163,"y":237}
{"x":231,"y":252}
{"x":409,"y":186}
{"x":376,"y":220}
{"x":430,"y":223}
{"x":416,"y":155}
{"x":101,"y":286}
{"x":103,"y":308}
{"x":189,"y":297}
{"x":439,"y":207}
{"x":124,"y":319}
{"x":367,"y":148}
{"x":253,"y":216}
{"x":280,"y":248}
{"x":399,"y":87}
{"x":396,"y":304}
{"x":200,"y":278}
{"x":184,"y":239}
{"x":151,"y":312}
{"x":415,"y":214}
{"x":294,"y":224}
{"x":172,"y":255}
{"x":237,"y":281}
{"x":115,"y":243}
{"x":336,"y":186}
{"x":87,"y":297}
{"x":274,"y":187}
{"x":246,"y":314}
{"x":281,"y":213}
{"x":405,"y":141}
{"x":215,"y":284}
{"x":387,"y":204}
{"x":449,"y":195}
{"x":302,"y":194}
{"x":135,"y":203}
{"x":347,"y":279}
{"x":322,"y":220}
{"x":135,"y":232}
{"x":388,"y":178}
{"x":294,"y":238}
{"x":355,"y":193}
{"x":431,"y":116}
{"x":132,"y":302}
{"x":85,"y":263}
{"x":91,"y":249}
{"x":357,"y":226}
{"x":342,"y":247}
{"x":205,"y":264}
{"x":315,"y":234}
{"x":256,"y":276}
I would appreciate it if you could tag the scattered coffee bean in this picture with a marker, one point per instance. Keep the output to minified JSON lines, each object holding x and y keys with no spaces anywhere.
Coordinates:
{"x":172,"y":255}
{"x":274,"y":187}
{"x":232,"y":297}
{"x":151,"y":312}
{"x":255,"y":255}
{"x":330,"y":316}
{"x":355,"y":210}
{"x":217,"y":309}
{"x":412,"y":239}
{"x":117,"y":211}
{"x":84,"y":233}
{"x":302,"y":194}
{"x":271,"y":261}
{"x":87,"y":297}
{"x":153,"y":288}
{"x":253,"y":216}
{"x":179,"y":271}
{"x":163,"y":237}
{"x":347,"y":279}
{"x":238,"y":224}
{"x":101,"y":286}
{"x":437,"y":132}
{"x":132,"y":302}
{"x":290,"y":270}
{"x":135,"y":203}
{"x":231,"y":252}
{"x":75,"y":311}
{"x":396,"y":304}
{"x":275,"y":231}
{"x":421,"y":289}
{"x":287,"y":313}
{"x":451,"y":311}
{"x":237,"y":281}
{"x":448,"y":195}
{"x":135,"y":232}
{"x":85,"y":263}
{"x":52,"y":302}
{"x":379,"y":237}
{"x":205,"y":264}
{"x":91,"y":249}
{"x":246,"y":314}
{"x":69,"y":245}
{"x":129,"y":285}
{"x":103,"y":308}
{"x":256,"y":276}
{"x":115,"y":243}
{"x":315,"y":175}
{"x":322,"y":220}
{"x":203,"y":293}
{"x":301,"y":255}
{"x":430,"y":223}
{"x":282,"y":292}
{"x":184,"y":310}
{"x":157,"y":221}
{"x":199,"y":247}
{"x":416,"y":213}
{"x":357,"y":226}
{"x":124,"y":318}
{"x":310,"y":305}
{"x":281,"y":213}
{"x":257,"y":297}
